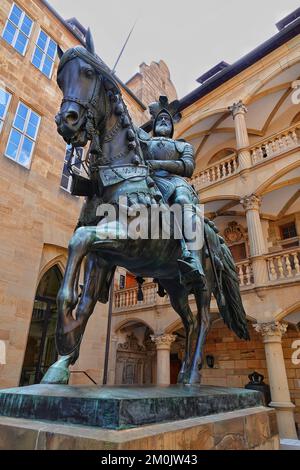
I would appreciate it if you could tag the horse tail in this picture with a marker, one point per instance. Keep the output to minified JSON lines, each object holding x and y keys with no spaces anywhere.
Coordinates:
{"x":232,"y":310}
{"x":227,"y":290}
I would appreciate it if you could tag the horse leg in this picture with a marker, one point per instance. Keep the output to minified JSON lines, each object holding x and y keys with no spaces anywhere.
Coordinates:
{"x":181,"y":306}
{"x":94,"y":277}
{"x":203,"y":303}
{"x":67,"y":296}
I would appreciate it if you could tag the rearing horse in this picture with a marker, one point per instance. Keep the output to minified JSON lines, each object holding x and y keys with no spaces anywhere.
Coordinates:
{"x":93,"y":110}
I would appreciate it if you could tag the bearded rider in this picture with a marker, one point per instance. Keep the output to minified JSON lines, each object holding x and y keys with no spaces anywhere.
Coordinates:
{"x":170,"y":161}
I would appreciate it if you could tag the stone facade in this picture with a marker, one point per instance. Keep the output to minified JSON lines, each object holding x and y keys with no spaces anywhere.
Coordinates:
{"x":152,"y":81}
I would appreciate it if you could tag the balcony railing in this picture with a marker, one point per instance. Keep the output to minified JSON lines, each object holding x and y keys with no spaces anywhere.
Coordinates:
{"x":217,"y":172}
{"x":281,"y":266}
{"x":276,"y":144}
{"x":271,"y":147}
{"x":127,"y":298}
{"x":244,"y":270}
{"x":284,"y":265}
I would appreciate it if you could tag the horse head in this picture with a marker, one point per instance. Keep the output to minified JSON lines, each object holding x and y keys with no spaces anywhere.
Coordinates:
{"x":90,"y":95}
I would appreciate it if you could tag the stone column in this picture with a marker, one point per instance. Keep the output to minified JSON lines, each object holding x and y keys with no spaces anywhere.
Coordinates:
{"x":163,"y":346}
{"x":257,"y":242}
{"x":281,"y":400}
{"x":238,"y":111}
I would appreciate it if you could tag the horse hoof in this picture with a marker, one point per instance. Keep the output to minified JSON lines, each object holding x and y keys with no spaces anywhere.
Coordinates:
{"x":180,"y":378}
{"x":59,"y":372}
{"x":194,"y":378}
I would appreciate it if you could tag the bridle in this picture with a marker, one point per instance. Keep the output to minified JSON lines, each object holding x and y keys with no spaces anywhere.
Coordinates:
{"x":93,"y":128}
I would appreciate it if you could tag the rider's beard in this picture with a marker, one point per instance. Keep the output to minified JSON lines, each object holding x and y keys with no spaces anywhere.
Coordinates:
{"x":163,"y":130}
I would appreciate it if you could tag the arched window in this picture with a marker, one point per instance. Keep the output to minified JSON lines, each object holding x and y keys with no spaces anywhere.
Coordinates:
{"x":41,"y":351}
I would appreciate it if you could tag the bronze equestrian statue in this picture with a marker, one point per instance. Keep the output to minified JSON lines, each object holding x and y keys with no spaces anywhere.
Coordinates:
{"x":125,"y":162}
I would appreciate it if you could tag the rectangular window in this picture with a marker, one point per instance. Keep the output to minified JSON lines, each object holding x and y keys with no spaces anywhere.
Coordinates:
{"x":238,"y":252}
{"x":5,"y":98}
{"x":66,"y":177}
{"x":288,"y":231}
{"x":17,"y":29}
{"x":44,"y":54}
{"x":23,"y":135}
{"x":122,"y":281}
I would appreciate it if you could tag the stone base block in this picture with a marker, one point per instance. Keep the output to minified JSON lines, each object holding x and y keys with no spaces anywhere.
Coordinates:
{"x":250,"y":428}
{"x":122,"y":407}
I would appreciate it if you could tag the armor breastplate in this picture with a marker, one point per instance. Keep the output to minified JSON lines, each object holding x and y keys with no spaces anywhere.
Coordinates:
{"x":161,"y":148}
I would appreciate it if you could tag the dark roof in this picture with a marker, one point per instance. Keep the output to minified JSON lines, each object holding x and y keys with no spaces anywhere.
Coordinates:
{"x":287,"y":32}
{"x":69,"y":24}
{"x":288,"y":19}
{"x":213,"y":71}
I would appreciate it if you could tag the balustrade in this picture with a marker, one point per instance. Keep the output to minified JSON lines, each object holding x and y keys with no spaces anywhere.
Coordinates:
{"x":284,"y":265}
{"x":276,"y":144}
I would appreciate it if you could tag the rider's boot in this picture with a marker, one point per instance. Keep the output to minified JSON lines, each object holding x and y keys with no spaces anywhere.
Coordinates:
{"x":190,"y":268}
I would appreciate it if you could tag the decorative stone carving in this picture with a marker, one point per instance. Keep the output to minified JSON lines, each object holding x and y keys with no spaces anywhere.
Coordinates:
{"x":237,"y":108}
{"x":134,"y":362}
{"x":163,"y":341}
{"x":131,"y":344}
{"x":234,"y":232}
{"x":251,"y":202}
{"x":273,"y":328}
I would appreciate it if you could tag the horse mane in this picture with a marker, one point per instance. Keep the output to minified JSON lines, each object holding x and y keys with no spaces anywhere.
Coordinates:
{"x":92,"y":59}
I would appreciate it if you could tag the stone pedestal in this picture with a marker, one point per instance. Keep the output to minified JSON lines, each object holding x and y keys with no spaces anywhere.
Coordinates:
{"x":121,"y":407}
{"x":251,"y":428}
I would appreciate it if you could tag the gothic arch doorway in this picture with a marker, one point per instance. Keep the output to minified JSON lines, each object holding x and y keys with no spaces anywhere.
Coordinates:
{"x":40,"y":350}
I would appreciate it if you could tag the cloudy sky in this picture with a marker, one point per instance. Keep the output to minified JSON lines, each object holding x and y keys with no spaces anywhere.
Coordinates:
{"x":189,"y":35}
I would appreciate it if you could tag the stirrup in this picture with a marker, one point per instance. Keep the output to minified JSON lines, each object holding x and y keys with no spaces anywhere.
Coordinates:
{"x":189,"y":276}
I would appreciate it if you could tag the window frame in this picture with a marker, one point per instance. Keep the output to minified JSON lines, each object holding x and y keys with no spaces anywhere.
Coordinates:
{"x":287,"y":225}
{"x":76,"y":170}
{"x":18,"y":29}
{"x":23,"y":135}
{"x":2,"y":119}
{"x":44,"y":54}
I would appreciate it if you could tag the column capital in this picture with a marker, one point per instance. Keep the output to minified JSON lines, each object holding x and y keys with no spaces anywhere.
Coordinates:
{"x":237,"y":108}
{"x":271,"y":329}
{"x":251,"y":202}
{"x":163,"y":341}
